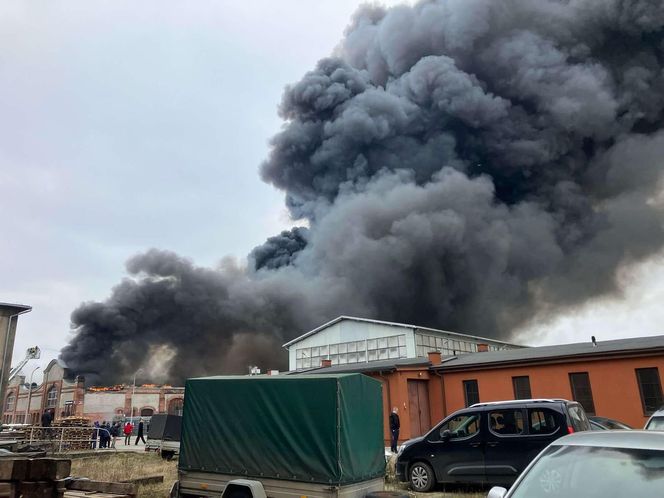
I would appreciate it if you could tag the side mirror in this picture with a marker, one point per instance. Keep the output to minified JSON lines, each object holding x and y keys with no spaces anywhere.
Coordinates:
{"x":497,"y":492}
{"x":446,"y":435}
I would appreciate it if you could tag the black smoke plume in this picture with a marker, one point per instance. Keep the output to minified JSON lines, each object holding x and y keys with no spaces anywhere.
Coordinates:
{"x":471,"y":165}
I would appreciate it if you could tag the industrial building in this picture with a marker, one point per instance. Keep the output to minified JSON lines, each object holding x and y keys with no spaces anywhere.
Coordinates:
{"x":63,"y":394}
{"x":429,"y":379}
{"x":348,"y":340}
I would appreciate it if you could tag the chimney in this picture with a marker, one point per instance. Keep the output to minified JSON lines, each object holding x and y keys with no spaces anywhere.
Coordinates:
{"x":435,"y":358}
{"x":273,"y":372}
{"x":325,"y":363}
{"x":482,"y":348}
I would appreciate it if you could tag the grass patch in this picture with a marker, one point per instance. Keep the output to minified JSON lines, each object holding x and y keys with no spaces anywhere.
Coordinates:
{"x":116,"y":467}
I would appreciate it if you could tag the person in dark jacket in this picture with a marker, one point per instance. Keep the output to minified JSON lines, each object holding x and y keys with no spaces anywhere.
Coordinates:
{"x":395,"y":424}
{"x":139,"y":433}
{"x":95,"y":434}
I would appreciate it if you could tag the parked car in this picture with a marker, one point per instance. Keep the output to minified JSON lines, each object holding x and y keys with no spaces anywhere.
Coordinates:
{"x":487,"y":442}
{"x":606,"y":464}
{"x":656,"y":421}
{"x":607,"y":424}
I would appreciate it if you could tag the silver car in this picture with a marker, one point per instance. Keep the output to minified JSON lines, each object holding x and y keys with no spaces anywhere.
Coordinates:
{"x":656,"y":422}
{"x":594,"y":464}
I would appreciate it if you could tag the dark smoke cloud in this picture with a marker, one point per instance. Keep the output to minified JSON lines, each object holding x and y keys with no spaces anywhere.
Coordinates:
{"x":280,"y":250}
{"x":470,"y":165}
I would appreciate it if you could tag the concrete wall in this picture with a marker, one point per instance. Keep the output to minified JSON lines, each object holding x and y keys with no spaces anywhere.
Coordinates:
{"x":101,"y":406}
{"x":8,"y":322}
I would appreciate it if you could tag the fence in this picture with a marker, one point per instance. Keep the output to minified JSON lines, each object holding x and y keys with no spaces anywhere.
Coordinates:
{"x":63,"y":439}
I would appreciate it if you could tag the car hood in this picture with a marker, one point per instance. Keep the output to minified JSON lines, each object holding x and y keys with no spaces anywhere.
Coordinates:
{"x":410,"y":442}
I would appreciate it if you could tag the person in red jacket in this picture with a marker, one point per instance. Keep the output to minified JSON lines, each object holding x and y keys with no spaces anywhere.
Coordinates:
{"x":128,"y":428}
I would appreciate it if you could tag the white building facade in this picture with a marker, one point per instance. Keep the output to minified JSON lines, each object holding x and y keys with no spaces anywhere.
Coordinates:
{"x":347,"y":340}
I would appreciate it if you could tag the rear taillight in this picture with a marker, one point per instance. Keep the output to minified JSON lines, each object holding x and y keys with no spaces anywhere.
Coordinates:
{"x":570,"y":429}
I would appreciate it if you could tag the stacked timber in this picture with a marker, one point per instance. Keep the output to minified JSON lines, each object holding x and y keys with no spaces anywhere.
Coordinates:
{"x":49,"y":478}
{"x":33,"y":477}
{"x":75,"y":433}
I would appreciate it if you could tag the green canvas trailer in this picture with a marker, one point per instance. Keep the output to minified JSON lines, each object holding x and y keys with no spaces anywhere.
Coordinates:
{"x":295,"y":435}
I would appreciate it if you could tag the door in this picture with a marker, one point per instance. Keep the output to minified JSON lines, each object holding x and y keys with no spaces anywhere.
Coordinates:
{"x":418,"y":406}
{"x":506,"y":453}
{"x":457,"y":449}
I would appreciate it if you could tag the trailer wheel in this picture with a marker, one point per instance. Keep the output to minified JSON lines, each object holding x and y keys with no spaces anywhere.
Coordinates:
{"x":236,"y":491}
{"x":167,"y":455}
{"x":422,"y":479}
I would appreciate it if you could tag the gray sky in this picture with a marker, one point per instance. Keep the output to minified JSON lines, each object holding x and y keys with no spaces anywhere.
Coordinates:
{"x":129,"y":125}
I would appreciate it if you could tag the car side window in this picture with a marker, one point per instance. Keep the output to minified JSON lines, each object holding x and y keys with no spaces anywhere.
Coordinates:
{"x":461,"y":426}
{"x":541,"y":421}
{"x":508,"y":422}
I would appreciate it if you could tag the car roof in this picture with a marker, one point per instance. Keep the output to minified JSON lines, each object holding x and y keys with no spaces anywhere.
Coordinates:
{"x":638,"y":439}
{"x":521,"y":402}
{"x":659,"y":413}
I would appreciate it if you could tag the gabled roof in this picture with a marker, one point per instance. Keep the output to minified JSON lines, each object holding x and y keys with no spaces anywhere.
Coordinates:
{"x":563,"y":351}
{"x":390,"y":324}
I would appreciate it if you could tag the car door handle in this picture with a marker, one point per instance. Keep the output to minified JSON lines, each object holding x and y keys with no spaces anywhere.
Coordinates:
{"x":475,"y":445}
{"x":492,"y":445}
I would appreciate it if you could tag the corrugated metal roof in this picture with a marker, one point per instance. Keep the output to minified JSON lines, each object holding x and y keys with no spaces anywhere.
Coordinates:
{"x":371,"y":366}
{"x":526,"y":355}
{"x":390,"y":324}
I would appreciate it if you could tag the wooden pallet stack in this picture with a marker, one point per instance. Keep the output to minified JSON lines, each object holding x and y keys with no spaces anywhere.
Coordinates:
{"x":77,"y":433}
{"x":49,"y":478}
{"x":33,"y":477}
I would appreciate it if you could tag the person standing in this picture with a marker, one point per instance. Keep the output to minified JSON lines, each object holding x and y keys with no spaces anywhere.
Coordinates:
{"x":395,"y":424}
{"x":128,"y":428}
{"x":95,"y":434}
{"x":139,"y":433}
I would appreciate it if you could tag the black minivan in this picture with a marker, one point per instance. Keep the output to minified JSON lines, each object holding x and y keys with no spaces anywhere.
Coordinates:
{"x":487,"y":443}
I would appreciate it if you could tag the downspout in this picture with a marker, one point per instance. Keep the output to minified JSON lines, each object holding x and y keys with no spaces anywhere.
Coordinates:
{"x":442,"y":391}
{"x":389,"y":397}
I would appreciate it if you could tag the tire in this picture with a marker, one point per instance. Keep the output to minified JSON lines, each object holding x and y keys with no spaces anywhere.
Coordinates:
{"x":167,"y":455}
{"x":421,"y":477}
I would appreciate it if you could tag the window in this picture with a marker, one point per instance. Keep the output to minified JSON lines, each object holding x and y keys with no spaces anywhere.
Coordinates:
{"x":146,"y":412}
{"x":69,"y":409}
{"x":175,"y":406}
{"x":541,"y":421}
{"x":581,"y":391}
{"x":506,"y":422}
{"x":471,"y":392}
{"x":10,"y":402}
{"x":650,"y":389}
{"x":521,"y":387}
{"x":461,"y":426}
{"x":52,"y":397}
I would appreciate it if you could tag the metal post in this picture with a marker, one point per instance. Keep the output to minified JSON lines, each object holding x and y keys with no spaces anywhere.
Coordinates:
{"x":27,"y":409}
{"x":32,"y":430}
{"x":133,"y":392}
{"x":62,"y":435}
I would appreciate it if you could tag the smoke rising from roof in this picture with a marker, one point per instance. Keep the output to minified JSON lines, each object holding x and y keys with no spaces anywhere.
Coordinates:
{"x":470,"y":165}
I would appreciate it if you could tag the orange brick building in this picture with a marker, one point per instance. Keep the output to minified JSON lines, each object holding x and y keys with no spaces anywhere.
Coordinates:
{"x":618,"y":379}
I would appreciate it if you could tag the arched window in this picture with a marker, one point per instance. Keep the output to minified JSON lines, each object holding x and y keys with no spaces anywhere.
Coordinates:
{"x":175,"y":406}
{"x":146,"y":412}
{"x":52,"y":397}
{"x":10,"y":402}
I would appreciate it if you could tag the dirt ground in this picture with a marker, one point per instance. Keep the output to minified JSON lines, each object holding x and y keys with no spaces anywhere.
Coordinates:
{"x":122,"y":466}
{"x":117,"y":467}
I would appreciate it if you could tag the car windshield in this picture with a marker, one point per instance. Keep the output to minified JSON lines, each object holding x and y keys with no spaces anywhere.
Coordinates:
{"x":656,"y":424}
{"x":590,"y":472}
